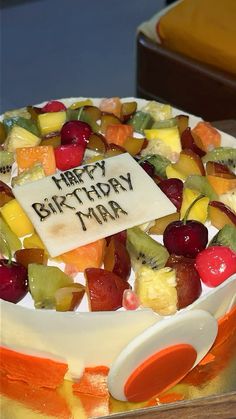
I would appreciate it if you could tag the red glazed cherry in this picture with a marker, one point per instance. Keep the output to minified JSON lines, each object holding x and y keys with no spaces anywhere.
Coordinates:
{"x":76,"y":132}
{"x":53,"y":106}
{"x":215,"y":264}
{"x":186,"y":239}
{"x":14,"y":281}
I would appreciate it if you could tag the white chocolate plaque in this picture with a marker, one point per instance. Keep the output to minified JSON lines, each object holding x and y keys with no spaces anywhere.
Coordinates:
{"x":86,"y":203}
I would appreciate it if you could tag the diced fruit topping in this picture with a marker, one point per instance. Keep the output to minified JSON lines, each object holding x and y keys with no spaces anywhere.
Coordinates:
{"x":159,"y":163}
{"x":127,"y":110}
{"x":16,"y":218}
{"x":6,"y":161}
{"x":141,"y":121}
{"x":19,"y":137}
{"x":161,"y":223}
{"x":105,"y":289}
{"x":111,"y":105}
{"x":156,"y":289}
{"x":200,"y":184}
{"x":130,"y":300}
{"x":27,"y":256}
{"x":185,"y":239}
{"x":216,"y":264}
{"x":88,"y":256}
{"x":187,"y":142}
{"x":144,"y":250}
{"x":223,"y":155}
{"x":51,"y":121}
{"x":76,"y":132}
{"x":36,"y":172}
{"x":69,"y":298}
{"x":27,"y":157}
{"x":8,"y":236}
{"x":69,"y":156}
{"x":169,"y":136}
{"x":14,"y":282}
{"x":6,"y":194}
{"x":117,"y":259}
{"x":189,"y":163}
{"x":188,"y":282}
{"x":206,"y":136}
{"x":41,"y":288}
{"x":173,"y":189}
{"x":225,"y":237}
{"x":196,"y":204}
{"x":118,"y":134}
{"x":220,"y":214}
{"x":53,"y":106}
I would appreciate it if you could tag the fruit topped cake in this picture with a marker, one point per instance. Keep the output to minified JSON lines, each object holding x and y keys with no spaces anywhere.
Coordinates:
{"x":118,"y":241}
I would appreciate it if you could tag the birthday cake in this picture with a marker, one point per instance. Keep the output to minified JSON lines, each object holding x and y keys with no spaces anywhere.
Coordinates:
{"x":118,"y":241}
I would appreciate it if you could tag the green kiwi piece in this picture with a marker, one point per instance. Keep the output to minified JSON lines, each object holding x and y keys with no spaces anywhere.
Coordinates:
{"x":141,"y":121}
{"x":225,"y":237}
{"x":8,"y":238}
{"x":223,"y":155}
{"x":41,"y":288}
{"x":158,"y":162}
{"x":28,"y":124}
{"x":144,"y":250}
{"x":6,"y":162}
{"x":200,"y":183}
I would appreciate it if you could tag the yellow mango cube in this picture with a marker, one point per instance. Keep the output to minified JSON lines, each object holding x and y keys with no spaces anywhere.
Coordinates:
{"x":199,"y":211}
{"x":51,"y":121}
{"x":33,"y":241}
{"x":172,"y":172}
{"x":170,"y":136}
{"x":16,"y":218}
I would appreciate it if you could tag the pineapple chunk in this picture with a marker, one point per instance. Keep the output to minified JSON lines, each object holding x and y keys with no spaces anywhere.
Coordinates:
{"x":156,"y":289}
{"x":19,"y":137}
{"x":51,"y":121}
{"x":159,"y":111}
{"x":169,"y":136}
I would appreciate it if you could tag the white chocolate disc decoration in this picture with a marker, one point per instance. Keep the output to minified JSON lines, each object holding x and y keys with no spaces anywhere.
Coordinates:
{"x":196,"y":328}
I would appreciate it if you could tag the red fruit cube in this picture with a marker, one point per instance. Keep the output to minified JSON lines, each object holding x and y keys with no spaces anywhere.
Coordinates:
{"x":68,"y":156}
{"x":105,"y":289}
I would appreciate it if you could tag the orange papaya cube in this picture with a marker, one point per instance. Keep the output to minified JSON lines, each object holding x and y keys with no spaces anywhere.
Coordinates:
{"x":118,"y":133}
{"x":206,"y":136}
{"x":26,"y":157}
{"x":221,"y":185}
{"x":88,"y":256}
{"x":111,"y":105}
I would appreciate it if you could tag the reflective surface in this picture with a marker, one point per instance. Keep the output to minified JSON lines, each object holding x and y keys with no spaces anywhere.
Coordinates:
{"x":215,"y":375}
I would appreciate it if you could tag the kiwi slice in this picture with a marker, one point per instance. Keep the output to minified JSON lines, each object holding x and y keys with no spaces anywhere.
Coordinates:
{"x":8,"y":238}
{"x":44,"y":281}
{"x":225,"y":237}
{"x":158,"y":162}
{"x":6,"y":162}
{"x":144,"y":250}
{"x":200,"y":183}
{"x":223,"y":155}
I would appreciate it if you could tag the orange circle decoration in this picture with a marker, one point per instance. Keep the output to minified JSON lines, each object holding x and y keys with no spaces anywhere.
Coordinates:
{"x":159,"y":372}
